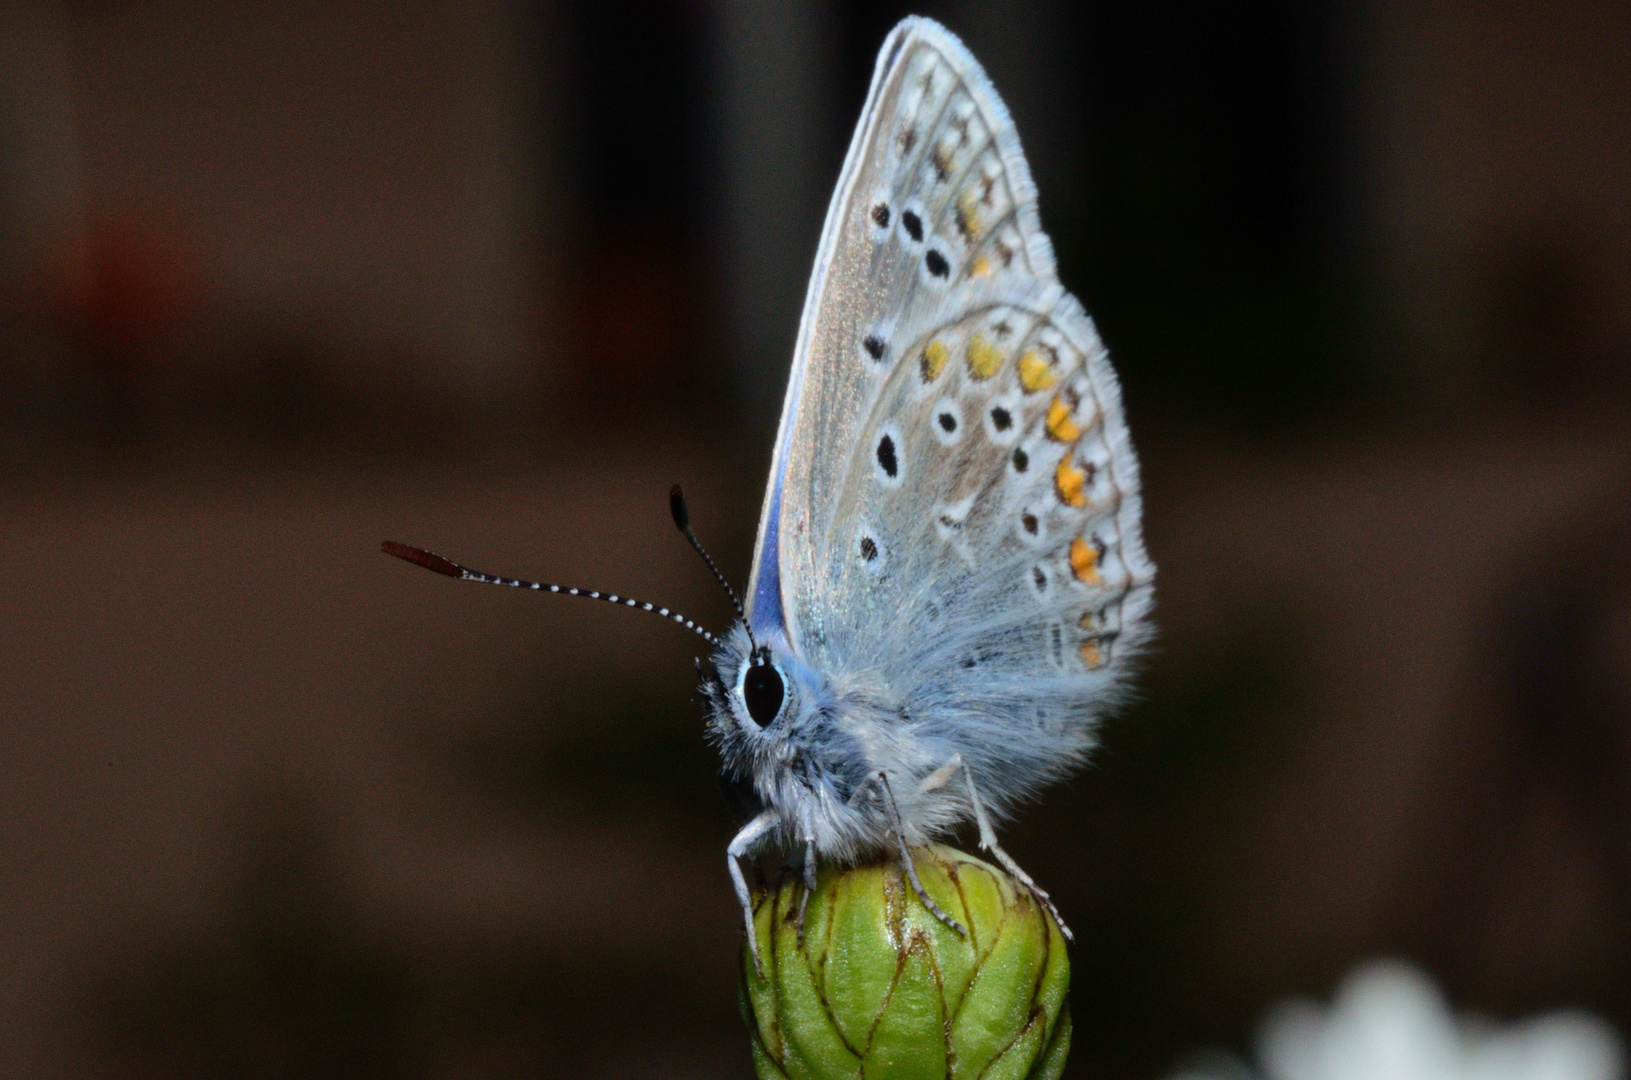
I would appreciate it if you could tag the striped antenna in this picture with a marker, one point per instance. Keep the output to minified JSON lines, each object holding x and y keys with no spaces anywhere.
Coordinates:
{"x":682,"y":522}
{"x":434,"y":562}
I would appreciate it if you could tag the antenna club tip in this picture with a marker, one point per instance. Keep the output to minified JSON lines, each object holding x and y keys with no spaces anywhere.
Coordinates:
{"x":677,"y":507}
{"x":420,"y":557}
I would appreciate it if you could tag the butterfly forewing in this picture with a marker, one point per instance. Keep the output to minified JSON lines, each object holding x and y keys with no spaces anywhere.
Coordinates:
{"x":934,"y":190}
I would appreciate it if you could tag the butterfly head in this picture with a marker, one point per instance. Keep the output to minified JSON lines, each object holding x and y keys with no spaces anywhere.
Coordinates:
{"x":762,"y":701}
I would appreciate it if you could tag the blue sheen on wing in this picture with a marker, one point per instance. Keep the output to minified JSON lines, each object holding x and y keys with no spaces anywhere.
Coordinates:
{"x":765,"y":605}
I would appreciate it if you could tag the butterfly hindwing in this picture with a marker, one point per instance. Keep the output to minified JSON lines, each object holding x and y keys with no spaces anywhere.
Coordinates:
{"x":999,"y":581}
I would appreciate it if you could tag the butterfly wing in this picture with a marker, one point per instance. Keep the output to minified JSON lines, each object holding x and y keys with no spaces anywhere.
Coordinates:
{"x":953,"y":516}
{"x":854,"y":285}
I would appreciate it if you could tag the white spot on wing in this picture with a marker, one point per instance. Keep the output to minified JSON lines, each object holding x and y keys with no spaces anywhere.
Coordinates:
{"x":946,"y":421}
{"x":1031,"y":524}
{"x":881,"y":213}
{"x":869,"y":549}
{"x":1004,"y":407}
{"x":950,"y":521}
{"x":1039,"y":579}
{"x":888,"y":462}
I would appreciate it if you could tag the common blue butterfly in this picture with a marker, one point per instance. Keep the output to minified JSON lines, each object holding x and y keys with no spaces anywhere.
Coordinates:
{"x":949,"y":583}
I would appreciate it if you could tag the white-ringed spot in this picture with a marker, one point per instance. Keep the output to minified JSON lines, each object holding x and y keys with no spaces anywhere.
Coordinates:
{"x":946,"y":421}
{"x":1003,"y":416}
{"x":887,"y":465}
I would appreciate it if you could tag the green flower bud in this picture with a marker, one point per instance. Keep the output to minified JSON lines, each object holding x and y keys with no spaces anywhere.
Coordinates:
{"x":880,"y":988}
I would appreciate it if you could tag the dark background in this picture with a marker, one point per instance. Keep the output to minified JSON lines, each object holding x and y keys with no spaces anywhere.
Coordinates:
{"x":279,"y":280}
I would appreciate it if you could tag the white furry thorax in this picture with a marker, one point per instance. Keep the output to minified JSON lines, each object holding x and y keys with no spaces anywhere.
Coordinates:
{"x":817,"y":764}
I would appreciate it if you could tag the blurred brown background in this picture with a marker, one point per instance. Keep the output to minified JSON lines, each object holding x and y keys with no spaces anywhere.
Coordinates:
{"x":280,"y":280}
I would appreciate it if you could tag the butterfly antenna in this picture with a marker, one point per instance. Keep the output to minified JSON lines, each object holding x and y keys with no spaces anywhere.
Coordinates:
{"x":432,"y":561}
{"x":682,"y":521}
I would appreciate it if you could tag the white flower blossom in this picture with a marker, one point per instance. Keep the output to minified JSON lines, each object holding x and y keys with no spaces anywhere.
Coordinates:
{"x":1389,"y":1022}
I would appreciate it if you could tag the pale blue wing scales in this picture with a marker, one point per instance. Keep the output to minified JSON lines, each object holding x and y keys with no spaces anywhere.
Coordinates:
{"x":857,"y":282}
{"x":997,"y":588}
{"x":935,"y":324}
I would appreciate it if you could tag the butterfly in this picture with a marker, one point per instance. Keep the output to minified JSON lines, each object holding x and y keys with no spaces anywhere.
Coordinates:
{"x":949,"y":587}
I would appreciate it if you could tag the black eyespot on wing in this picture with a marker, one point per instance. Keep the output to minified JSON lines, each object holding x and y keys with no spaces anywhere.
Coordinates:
{"x":880,"y":215}
{"x":1001,"y":418}
{"x":937,"y":264}
{"x":1022,"y":460}
{"x":869,"y":548}
{"x":1030,"y":523}
{"x":914,"y":226}
{"x":762,"y":692}
{"x":886,"y":457}
{"x":1040,"y":578}
{"x":875,"y":346}
{"x":948,"y":422}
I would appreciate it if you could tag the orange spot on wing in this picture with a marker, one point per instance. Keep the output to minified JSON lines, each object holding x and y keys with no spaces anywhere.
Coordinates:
{"x":1068,"y":481}
{"x":935,"y":355}
{"x":1091,"y":655}
{"x":1084,"y":561}
{"x":1061,"y":424}
{"x":968,"y":216}
{"x":983,"y":357}
{"x":1035,"y":373}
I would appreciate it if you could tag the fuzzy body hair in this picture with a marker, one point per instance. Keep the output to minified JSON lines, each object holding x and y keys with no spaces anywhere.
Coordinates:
{"x":815,"y":764}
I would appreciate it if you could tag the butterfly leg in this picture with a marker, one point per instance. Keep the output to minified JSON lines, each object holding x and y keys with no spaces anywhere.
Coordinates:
{"x":809,"y":883}
{"x":988,"y":836}
{"x":807,"y":827}
{"x":906,"y":859}
{"x":740,"y":847}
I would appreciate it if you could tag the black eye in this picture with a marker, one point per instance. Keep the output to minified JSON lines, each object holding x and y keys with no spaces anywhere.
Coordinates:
{"x":763,"y":691}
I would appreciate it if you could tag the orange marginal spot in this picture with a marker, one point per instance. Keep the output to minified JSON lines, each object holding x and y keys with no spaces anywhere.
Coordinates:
{"x":1035,"y":373}
{"x":1068,"y":481}
{"x":935,"y":355}
{"x":1090,"y":654}
{"x":968,"y":216}
{"x":1084,"y":561}
{"x":983,"y":357}
{"x":1061,"y":425}
{"x":980,"y":267}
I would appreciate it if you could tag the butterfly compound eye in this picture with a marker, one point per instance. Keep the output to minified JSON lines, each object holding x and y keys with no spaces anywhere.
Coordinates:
{"x":763,"y":692}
